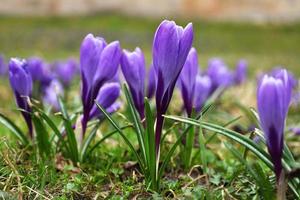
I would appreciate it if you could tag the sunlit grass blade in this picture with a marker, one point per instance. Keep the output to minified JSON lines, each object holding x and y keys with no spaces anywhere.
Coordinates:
{"x":114,"y":124}
{"x":14,"y":129}
{"x":150,"y":143}
{"x":137,"y":123}
{"x":202,"y":150}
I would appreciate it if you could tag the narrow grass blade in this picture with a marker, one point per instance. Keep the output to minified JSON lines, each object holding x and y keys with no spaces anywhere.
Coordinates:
{"x":14,"y":129}
{"x":202,"y":150}
{"x":137,"y":123}
{"x":150,"y":141}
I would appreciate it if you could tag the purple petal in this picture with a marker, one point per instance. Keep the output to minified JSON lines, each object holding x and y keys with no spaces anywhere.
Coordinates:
{"x":51,"y":93}
{"x":202,"y":91}
{"x":108,"y":94}
{"x":108,"y":63}
{"x":241,"y":71}
{"x":133,"y":68}
{"x":152,"y":82}
{"x":20,"y":79}
{"x":90,"y":52}
{"x":187,"y":80}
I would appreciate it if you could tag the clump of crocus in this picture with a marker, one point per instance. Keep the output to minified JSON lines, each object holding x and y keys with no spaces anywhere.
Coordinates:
{"x":65,"y":71}
{"x":21,"y":83}
{"x":171,"y":46}
{"x":51,"y":94}
{"x":273,"y":100}
{"x":98,"y":64}
{"x":133,"y":68}
{"x":240,"y":74}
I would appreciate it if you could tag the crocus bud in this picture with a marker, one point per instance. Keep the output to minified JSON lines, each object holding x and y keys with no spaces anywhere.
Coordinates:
{"x":107,"y":97}
{"x":240,"y":74}
{"x":277,"y":72}
{"x":187,"y":80}
{"x":133,"y":68}
{"x":152,"y":82}
{"x":65,"y":71}
{"x":51,"y":93}
{"x":273,"y":99}
{"x":219,"y":74}
{"x":202,"y":91}
{"x":98,"y":64}
{"x":171,"y":46}
{"x":21,"y":83}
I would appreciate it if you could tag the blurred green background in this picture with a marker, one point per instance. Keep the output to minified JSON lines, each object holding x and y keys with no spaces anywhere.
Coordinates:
{"x":263,"y":45}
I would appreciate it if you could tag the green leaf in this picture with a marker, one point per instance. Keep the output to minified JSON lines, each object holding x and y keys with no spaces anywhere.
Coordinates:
{"x":14,"y":129}
{"x":202,"y":150}
{"x":71,"y":139}
{"x":137,"y":123}
{"x":150,"y":144}
{"x":41,"y":137}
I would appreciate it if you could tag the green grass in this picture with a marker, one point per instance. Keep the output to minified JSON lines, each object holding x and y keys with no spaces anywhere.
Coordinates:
{"x":264,"y":46}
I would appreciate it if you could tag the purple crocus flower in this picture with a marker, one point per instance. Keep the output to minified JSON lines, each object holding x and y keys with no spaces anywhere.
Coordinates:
{"x":107,"y":97}
{"x":240,"y":74}
{"x":152,"y":82}
{"x":98,"y":64}
{"x":202,"y":91}
{"x":51,"y":93}
{"x":219,"y":74}
{"x":35,"y":66}
{"x":273,"y":99}
{"x":3,"y":67}
{"x":171,"y":46}
{"x":187,"y":80}
{"x":21,"y":83}
{"x":133,"y":68}
{"x":65,"y":71}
